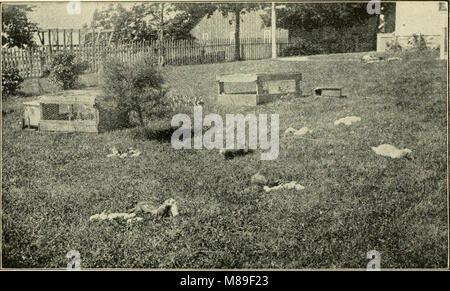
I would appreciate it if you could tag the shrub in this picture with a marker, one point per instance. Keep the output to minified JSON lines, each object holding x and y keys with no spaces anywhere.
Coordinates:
{"x":64,"y":69}
{"x":11,"y":81}
{"x":134,"y":89}
{"x":328,"y":40}
{"x":302,"y":46}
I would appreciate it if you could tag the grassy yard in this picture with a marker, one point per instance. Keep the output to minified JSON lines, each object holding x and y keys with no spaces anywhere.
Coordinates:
{"x":354,"y":201}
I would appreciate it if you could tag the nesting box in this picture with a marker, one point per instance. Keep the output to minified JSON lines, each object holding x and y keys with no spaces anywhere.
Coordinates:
{"x":327,"y":92}
{"x":69,"y":111}
{"x":266,"y":87}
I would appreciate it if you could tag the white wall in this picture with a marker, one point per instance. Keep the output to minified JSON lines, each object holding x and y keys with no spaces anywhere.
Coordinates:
{"x":419,"y":17}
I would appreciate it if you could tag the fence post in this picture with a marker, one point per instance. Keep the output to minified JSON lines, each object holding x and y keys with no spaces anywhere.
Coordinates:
{"x":57,"y":39}
{"x":71,"y":39}
{"x":50,"y":41}
{"x":64,"y":38}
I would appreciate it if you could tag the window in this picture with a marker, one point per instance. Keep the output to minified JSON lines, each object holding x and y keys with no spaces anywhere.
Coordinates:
{"x":231,"y":36}
{"x":205,"y":36}
{"x":443,"y":6}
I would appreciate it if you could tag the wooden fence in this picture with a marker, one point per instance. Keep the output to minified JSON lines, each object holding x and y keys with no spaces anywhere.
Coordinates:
{"x":31,"y":63}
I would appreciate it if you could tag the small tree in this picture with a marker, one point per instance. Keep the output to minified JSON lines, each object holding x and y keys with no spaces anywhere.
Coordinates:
{"x":64,"y":69}
{"x":133,"y":88}
{"x":237,"y":9}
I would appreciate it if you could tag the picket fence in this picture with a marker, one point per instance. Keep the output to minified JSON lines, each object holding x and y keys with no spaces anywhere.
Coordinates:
{"x":31,"y":62}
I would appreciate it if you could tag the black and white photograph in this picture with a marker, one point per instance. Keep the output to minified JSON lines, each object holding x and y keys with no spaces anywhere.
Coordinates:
{"x":224,"y":135}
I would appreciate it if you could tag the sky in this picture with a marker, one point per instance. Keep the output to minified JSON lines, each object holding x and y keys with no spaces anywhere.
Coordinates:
{"x":57,"y":14}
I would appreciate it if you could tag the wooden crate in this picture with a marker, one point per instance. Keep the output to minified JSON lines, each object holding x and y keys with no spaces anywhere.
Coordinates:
{"x":69,"y":111}
{"x":262,"y":92}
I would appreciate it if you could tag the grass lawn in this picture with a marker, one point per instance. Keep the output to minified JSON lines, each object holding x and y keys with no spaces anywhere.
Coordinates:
{"x":354,"y":201}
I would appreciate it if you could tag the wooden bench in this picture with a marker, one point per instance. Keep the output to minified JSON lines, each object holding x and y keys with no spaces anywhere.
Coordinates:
{"x":262,"y":92}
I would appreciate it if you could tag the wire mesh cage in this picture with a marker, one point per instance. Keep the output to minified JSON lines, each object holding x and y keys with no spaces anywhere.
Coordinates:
{"x":69,"y":112}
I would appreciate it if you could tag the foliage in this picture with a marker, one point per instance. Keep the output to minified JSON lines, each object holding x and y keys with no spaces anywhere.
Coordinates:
{"x":11,"y":81}
{"x":17,"y":29}
{"x":133,"y":88}
{"x":64,"y":69}
{"x":302,"y":47}
{"x":309,"y":16}
{"x":187,"y":17}
{"x":330,"y":40}
{"x":142,"y":21}
{"x":340,"y":27}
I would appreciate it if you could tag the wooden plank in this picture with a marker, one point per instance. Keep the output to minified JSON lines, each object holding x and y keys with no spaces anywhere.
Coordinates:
{"x":57,"y":39}
{"x":238,"y":99}
{"x":237,"y":78}
{"x":280,"y":76}
{"x":71,"y":39}
{"x":265,"y":98}
{"x":50,"y":41}
{"x":68,"y":126}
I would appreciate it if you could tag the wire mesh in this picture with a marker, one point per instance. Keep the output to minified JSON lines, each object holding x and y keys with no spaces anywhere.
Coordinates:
{"x":68,"y":112}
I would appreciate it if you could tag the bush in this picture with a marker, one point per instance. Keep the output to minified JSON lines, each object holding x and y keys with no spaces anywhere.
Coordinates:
{"x":328,"y":40}
{"x":302,"y":47}
{"x":64,"y":69}
{"x":11,"y":81}
{"x":134,"y":89}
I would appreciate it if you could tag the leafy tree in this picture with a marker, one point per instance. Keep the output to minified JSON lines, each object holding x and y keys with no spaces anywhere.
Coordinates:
{"x":187,"y":17}
{"x":128,"y":24}
{"x":237,"y":9}
{"x":142,"y":21}
{"x":308,"y":16}
{"x":17,"y":29}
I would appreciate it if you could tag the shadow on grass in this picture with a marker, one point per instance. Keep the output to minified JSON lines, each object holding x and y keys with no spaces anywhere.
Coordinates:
{"x":163,"y":134}
{"x":231,"y":154}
